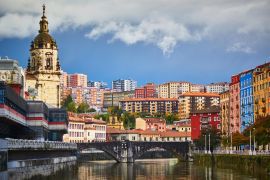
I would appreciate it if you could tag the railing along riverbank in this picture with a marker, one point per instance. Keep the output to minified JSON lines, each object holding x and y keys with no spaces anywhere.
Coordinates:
{"x":239,"y":152}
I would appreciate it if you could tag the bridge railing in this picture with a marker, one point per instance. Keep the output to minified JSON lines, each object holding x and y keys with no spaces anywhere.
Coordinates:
{"x":240,"y":152}
{"x":16,"y":144}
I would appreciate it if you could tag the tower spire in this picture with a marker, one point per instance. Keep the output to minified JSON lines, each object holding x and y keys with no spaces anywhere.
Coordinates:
{"x":44,"y":9}
{"x":43,"y":23}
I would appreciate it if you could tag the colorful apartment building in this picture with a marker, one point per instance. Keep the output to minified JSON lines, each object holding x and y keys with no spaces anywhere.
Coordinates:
{"x":193,"y":101}
{"x":217,"y":87}
{"x":150,"y":105}
{"x":235,"y":122}
{"x":154,"y":124}
{"x":204,"y":119}
{"x":261,"y":89}
{"x":246,"y":99}
{"x":147,"y":135}
{"x":77,"y":80}
{"x":84,"y":128}
{"x":147,"y":91}
{"x":225,"y":112}
{"x":112,"y":99}
{"x":168,"y":90}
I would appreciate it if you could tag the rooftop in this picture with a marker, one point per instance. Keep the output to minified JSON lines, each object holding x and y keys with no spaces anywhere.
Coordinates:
{"x":202,"y":94}
{"x":149,"y":99}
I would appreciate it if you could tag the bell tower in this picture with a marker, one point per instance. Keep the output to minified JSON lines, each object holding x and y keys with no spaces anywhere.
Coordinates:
{"x":43,"y":70}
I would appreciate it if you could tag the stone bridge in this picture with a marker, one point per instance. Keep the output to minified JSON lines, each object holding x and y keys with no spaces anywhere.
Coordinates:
{"x":129,"y":151}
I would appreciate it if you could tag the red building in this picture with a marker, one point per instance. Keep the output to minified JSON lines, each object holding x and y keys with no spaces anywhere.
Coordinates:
{"x":202,"y":119}
{"x":147,"y":91}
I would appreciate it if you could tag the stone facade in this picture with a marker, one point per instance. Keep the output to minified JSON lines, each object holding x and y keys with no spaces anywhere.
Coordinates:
{"x":43,"y":71}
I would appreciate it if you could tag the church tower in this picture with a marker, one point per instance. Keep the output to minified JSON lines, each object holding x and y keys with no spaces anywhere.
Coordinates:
{"x":43,"y":70}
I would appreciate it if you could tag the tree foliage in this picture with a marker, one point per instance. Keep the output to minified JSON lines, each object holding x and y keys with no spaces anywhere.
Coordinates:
{"x":83,"y":108}
{"x":215,"y":138}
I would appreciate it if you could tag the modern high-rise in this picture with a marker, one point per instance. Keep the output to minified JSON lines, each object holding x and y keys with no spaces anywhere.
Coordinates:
{"x":168,"y":90}
{"x":147,"y":91}
{"x":217,"y":87}
{"x":192,"y":101}
{"x":77,"y":80}
{"x":197,"y":88}
{"x":43,"y":71}
{"x":150,"y":105}
{"x":98,"y":84}
{"x":124,"y":85}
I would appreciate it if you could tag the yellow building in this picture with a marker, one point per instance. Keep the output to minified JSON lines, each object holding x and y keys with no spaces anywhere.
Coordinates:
{"x":193,"y":101}
{"x":225,"y":112}
{"x":261,"y":82}
{"x":114,"y":122}
{"x":168,"y":90}
{"x":43,"y":70}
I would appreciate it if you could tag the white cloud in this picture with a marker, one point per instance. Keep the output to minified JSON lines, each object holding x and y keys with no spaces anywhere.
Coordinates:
{"x":161,"y":23}
{"x":240,"y":47}
{"x":161,"y":32}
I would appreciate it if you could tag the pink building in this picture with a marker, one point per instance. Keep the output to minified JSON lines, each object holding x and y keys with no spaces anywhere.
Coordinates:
{"x":154,"y":124}
{"x":77,"y":80}
{"x":235,"y":123}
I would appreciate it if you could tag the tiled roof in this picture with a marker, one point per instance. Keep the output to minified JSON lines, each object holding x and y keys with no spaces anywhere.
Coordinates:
{"x":168,"y":133}
{"x":200,"y":94}
{"x":174,"y":134}
{"x":154,"y":120}
{"x":150,"y":99}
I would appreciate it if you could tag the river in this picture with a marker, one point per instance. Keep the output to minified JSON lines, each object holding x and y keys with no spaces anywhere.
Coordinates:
{"x":143,"y":169}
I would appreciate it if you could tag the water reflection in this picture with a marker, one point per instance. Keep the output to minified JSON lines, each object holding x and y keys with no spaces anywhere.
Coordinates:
{"x":146,"y":169}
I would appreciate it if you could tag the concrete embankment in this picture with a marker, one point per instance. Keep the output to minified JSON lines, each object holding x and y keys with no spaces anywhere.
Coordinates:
{"x":258,"y":164}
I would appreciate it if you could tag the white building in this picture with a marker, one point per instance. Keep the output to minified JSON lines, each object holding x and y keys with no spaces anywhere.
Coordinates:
{"x":124,"y":85}
{"x":83,"y":128}
{"x":217,"y":87}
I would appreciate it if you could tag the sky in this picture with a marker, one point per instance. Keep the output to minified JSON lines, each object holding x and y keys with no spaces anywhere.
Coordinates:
{"x":146,"y":40}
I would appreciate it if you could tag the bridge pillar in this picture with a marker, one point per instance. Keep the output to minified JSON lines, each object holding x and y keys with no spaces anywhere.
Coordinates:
{"x":126,"y":152}
{"x":3,"y":155}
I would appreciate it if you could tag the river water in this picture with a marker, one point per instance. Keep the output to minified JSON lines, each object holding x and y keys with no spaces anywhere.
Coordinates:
{"x":143,"y":169}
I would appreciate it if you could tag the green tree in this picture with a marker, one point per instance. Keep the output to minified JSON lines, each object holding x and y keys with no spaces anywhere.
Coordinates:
{"x":171,"y":117}
{"x":71,"y":107}
{"x":128,"y":120}
{"x":92,"y":110}
{"x":67,"y":101}
{"x":83,"y":108}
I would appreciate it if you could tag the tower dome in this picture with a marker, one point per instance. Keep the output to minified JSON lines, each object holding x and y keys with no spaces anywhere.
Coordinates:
{"x":43,"y":39}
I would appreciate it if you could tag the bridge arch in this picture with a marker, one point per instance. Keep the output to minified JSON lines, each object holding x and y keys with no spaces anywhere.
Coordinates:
{"x":176,"y":148}
{"x":129,"y":151}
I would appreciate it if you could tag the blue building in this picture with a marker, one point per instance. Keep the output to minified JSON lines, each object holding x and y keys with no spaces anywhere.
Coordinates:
{"x":246,"y":99}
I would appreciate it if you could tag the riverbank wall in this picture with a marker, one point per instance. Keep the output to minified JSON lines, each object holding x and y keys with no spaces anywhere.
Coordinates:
{"x":257,"y":164}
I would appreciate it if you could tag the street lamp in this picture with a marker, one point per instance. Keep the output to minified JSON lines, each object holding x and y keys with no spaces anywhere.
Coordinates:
{"x":250,"y":151}
{"x":209,"y":152}
{"x":231,"y":145}
{"x":254,"y":146}
{"x":205,"y":150}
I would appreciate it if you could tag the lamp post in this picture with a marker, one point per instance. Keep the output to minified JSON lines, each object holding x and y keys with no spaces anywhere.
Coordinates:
{"x":231,"y":149}
{"x":250,"y":151}
{"x":254,"y":146}
{"x":209,"y":152}
{"x":205,"y":150}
